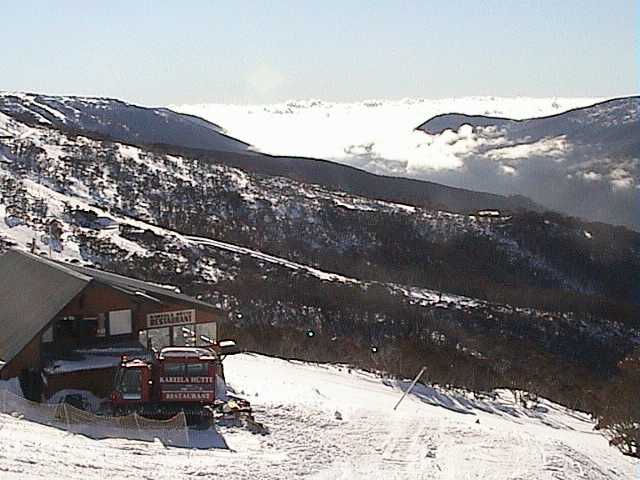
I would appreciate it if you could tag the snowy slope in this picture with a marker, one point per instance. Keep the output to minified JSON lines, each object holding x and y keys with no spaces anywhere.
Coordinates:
{"x":183,"y":134}
{"x":278,"y":256}
{"x":208,"y":228}
{"x":287,"y":202}
{"x":580,"y":161}
{"x":585,"y":161}
{"x":71,"y":248}
{"x":608,"y":129}
{"x":119,"y":121}
{"x":433,"y":434}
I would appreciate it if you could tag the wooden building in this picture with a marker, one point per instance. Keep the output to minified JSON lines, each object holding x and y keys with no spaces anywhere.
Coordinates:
{"x":69,"y":325}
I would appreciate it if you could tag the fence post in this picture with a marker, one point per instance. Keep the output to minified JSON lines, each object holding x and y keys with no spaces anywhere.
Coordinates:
{"x":135,"y":419}
{"x":3,"y":405}
{"x":186,"y":430}
{"x":66,"y":416}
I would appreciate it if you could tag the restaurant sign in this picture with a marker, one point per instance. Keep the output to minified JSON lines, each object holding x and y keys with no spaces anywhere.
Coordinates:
{"x":167,"y":319}
{"x":202,"y":396}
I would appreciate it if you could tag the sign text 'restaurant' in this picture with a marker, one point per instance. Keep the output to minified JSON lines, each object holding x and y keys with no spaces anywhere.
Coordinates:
{"x":165,"y":319}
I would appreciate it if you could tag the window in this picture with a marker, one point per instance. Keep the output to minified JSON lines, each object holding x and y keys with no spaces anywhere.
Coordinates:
{"x":205,"y":333}
{"x":174,"y":369}
{"x":120,"y":322}
{"x":131,"y":384}
{"x":143,"y":338}
{"x":102,"y":325}
{"x":184,"y":336}
{"x":64,"y":329}
{"x":72,"y":330}
{"x":198,"y":334}
{"x":157,"y":338}
{"x":197,"y":370}
{"x":186,"y":370}
{"x":86,"y":327}
{"x":47,"y":335}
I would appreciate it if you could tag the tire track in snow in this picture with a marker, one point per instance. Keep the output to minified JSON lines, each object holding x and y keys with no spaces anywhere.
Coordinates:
{"x":411,"y":450}
{"x":393,"y":449}
{"x":564,"y":459}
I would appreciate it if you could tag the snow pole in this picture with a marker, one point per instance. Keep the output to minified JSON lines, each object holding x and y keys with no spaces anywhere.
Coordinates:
{"x":413,"y":384}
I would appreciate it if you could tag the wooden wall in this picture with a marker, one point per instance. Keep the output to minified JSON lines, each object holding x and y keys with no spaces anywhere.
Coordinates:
{"x":98,"y":381}
{"x":96,"y":299}
{"x":28,"y":357}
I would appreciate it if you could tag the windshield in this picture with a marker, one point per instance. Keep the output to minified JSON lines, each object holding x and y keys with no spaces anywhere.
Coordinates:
{"x":130,"y":384}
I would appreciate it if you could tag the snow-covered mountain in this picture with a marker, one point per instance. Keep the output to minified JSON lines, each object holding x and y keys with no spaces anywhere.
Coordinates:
{"x":488,"y":299}
{"x":583,"y":162}
{"x":184,"y":134}
{"x":333,"y":422}
{"x":119,"y":121}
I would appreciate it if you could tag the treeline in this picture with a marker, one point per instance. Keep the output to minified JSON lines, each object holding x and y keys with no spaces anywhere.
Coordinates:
{"x":529,"y":259}
{"x":291,"y":315}
{"x":580,"y":292}
{"x":619,"y":409}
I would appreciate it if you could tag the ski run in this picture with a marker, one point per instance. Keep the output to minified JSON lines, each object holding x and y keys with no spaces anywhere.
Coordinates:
{"x":332,"y":422}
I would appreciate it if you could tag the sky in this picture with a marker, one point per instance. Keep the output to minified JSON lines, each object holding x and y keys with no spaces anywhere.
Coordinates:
{"x":169,"y":52}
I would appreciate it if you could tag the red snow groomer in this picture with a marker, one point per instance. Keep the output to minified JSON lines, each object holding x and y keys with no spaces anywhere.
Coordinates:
{"x":174,"y":380}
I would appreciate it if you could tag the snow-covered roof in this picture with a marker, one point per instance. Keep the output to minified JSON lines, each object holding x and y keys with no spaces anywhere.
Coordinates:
{"x":87,"y":363}
{"x":194,"y":352}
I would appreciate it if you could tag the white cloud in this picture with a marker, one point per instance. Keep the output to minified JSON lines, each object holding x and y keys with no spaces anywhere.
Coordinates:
{"x":508,"y":170}
{"x":592,"y":176}
{"x":555,"y":147}
{"x":380,"y":130}
{"x":621,"y":179}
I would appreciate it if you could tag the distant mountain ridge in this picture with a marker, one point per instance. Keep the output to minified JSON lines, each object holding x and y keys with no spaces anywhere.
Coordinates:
{"x":119,"y":121}
{"x":584,"y":162}
{"x":355,"y":181}
{"x":184,"y":134}
{"x":611,"y":120}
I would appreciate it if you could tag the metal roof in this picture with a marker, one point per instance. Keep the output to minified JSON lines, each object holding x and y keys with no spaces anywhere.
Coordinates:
{"x":34,"y":289}
{"x":31,"y":294}
{"x":135,"y":287}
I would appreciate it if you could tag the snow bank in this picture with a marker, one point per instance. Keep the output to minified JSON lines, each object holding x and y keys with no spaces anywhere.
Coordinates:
{"x":12,"y":385}
{"x":90,"y":398}
{"x":332,"y":422}
{"x":89,"y":363}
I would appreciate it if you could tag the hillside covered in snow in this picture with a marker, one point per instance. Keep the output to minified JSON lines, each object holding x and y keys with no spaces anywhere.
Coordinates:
{"x":119,"y":121}
{"x":333,"y":422}
{"x":585,"y":161}
{"x":166,"y":131}
{"x":575,"y":156}
{"x":488,"y":299}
